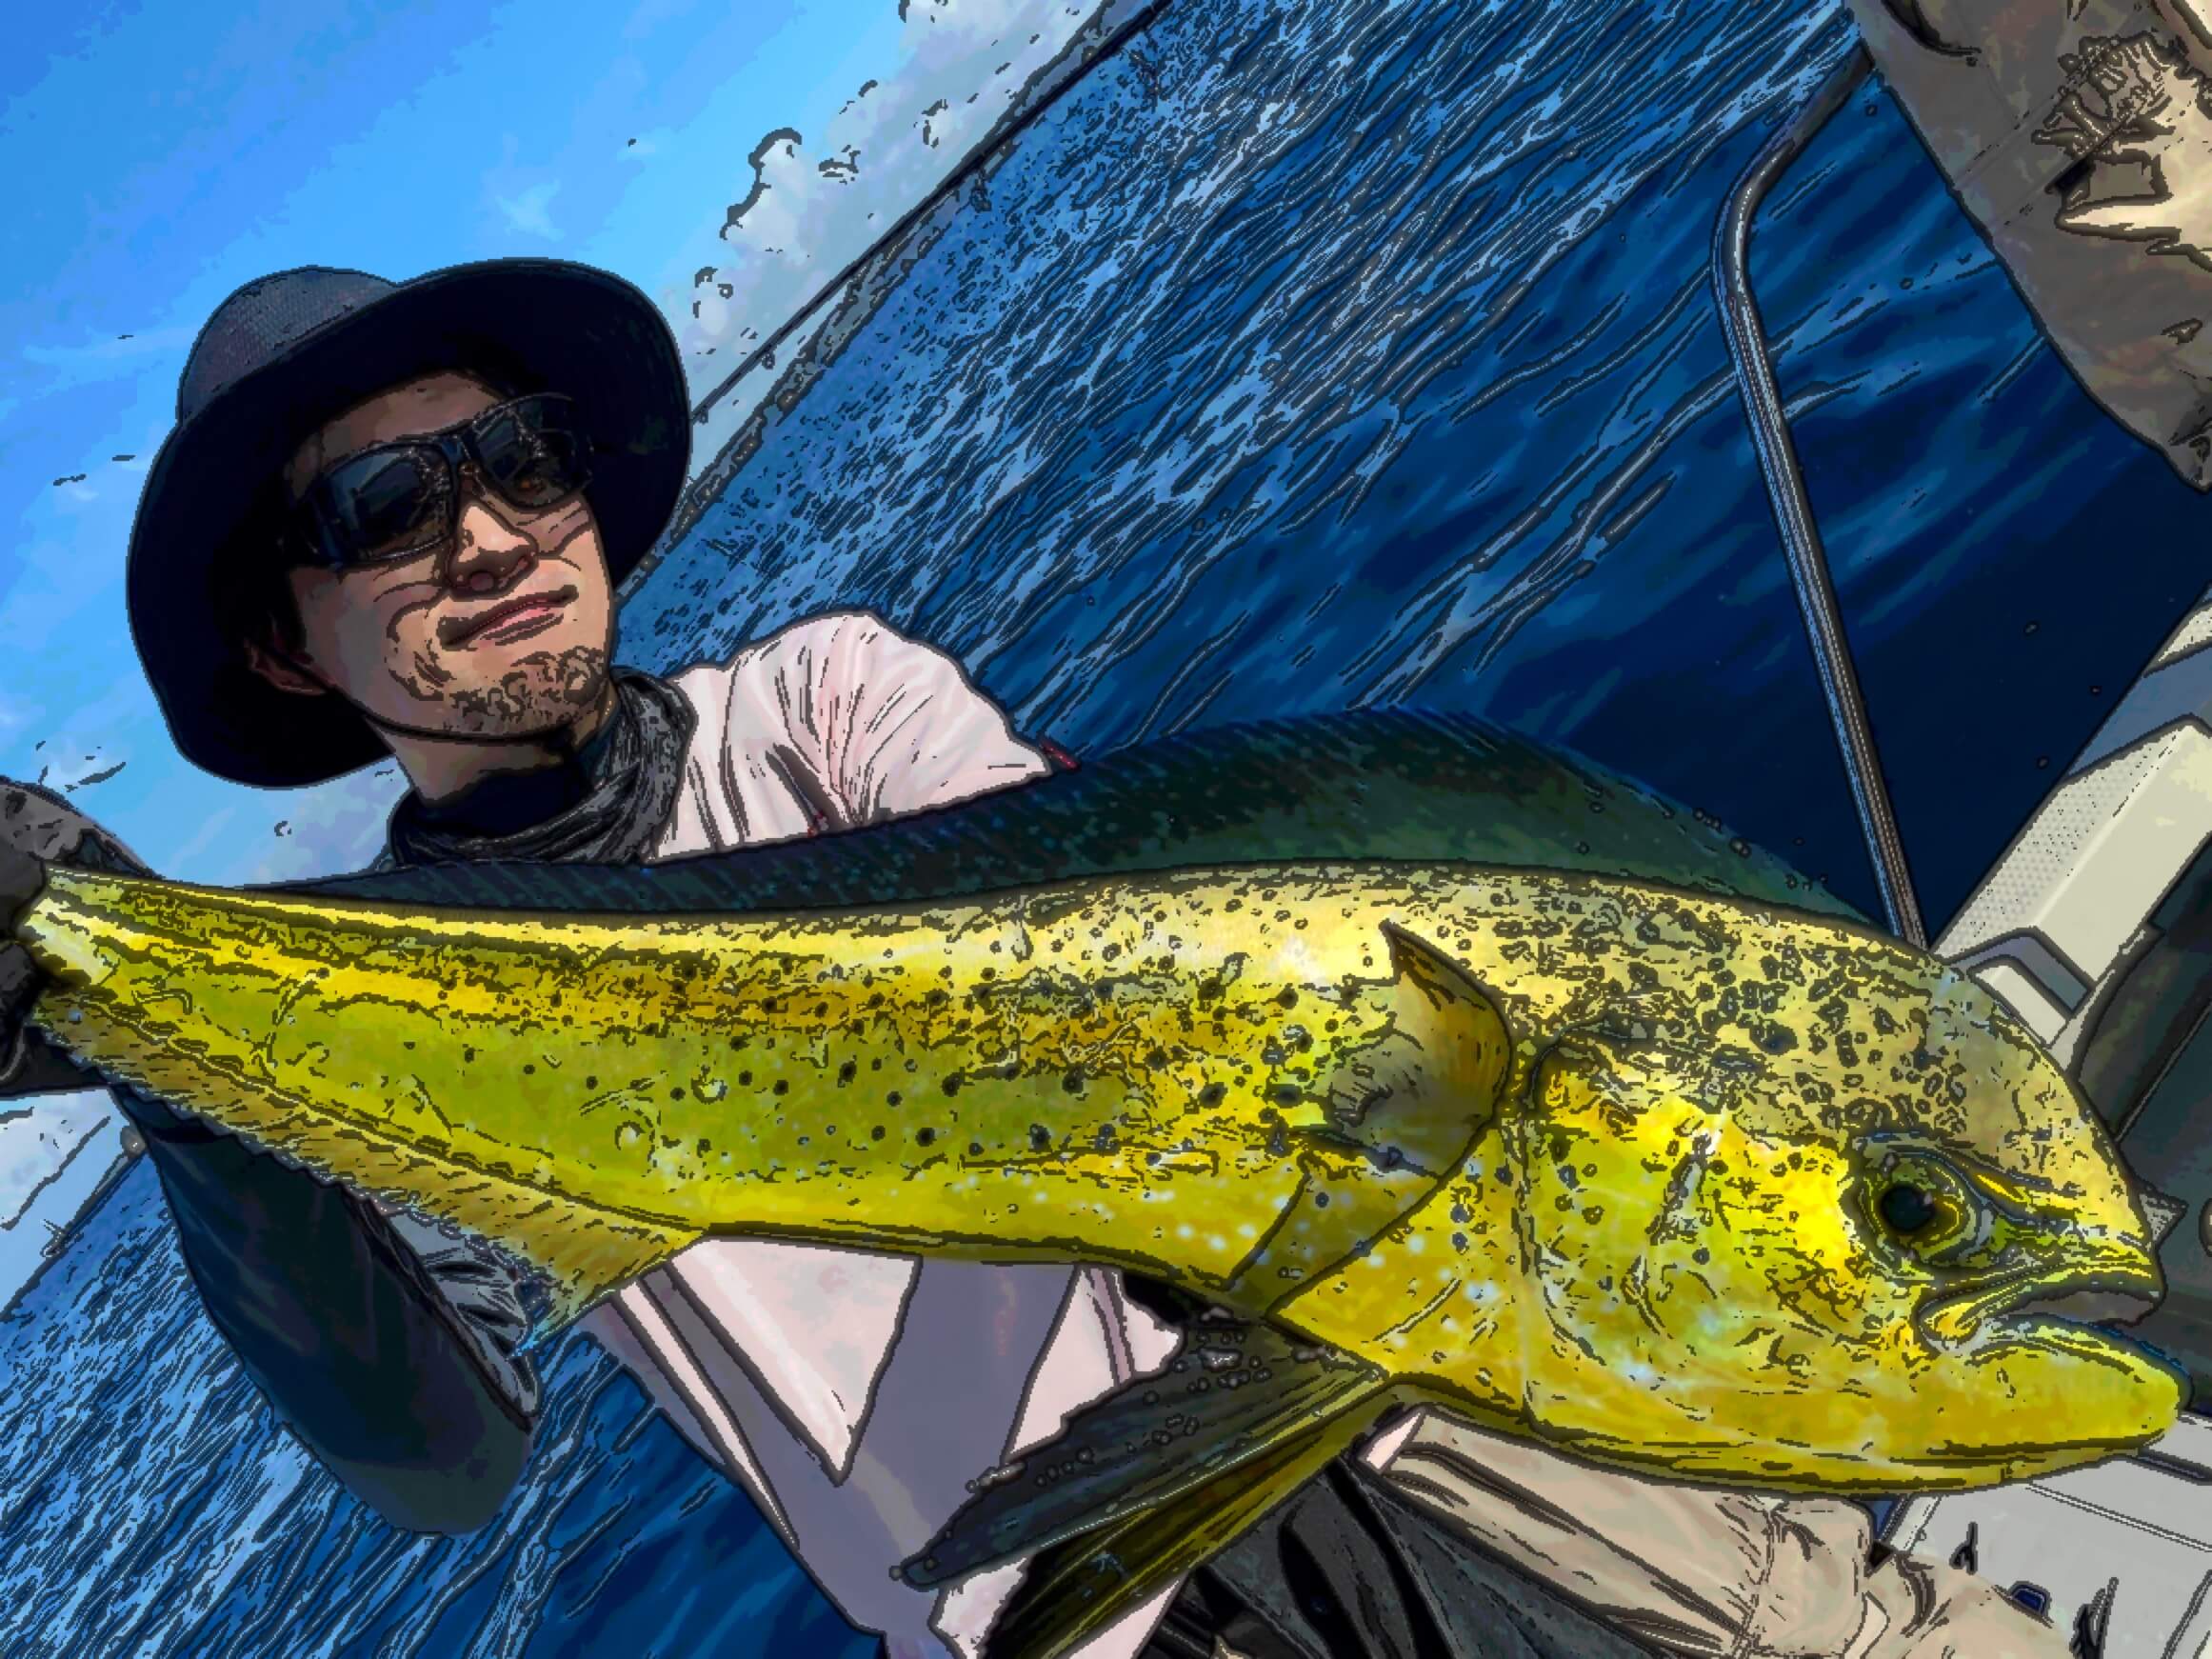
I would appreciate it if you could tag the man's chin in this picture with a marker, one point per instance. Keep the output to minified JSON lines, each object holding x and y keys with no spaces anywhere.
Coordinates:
{"x":530,"y":691}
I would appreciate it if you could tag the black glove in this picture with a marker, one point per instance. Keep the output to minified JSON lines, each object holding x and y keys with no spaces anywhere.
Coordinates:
{"x":38,"y":828}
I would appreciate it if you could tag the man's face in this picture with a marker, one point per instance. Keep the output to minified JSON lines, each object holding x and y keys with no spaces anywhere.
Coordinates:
{"x":504,"y":633}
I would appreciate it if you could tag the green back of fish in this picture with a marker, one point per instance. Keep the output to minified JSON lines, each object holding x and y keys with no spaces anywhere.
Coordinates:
{"x":1380,"y":783}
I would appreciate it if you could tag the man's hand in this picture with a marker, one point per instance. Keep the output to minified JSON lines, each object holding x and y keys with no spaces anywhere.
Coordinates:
{"x":38,"y":828}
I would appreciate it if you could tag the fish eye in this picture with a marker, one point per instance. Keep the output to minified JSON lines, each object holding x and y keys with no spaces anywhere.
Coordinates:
{"x":1907,"y":1209}
{"x":1924,"y":1207}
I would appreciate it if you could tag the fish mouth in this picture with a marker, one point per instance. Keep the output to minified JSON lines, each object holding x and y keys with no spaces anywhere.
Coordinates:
{"x":2031,"y":1303}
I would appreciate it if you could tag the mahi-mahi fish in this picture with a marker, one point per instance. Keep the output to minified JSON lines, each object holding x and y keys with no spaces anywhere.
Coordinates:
{"x":1439,"y":1071}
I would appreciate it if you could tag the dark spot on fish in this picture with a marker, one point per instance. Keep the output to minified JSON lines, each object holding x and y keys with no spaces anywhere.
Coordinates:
{"x":1288,"y":996}
{"x":592,"y":1083}
{"x":467,"y":1053}
{"x":1072,"y":1082}
{"x":782,"y":1087}
{"x":876,"y":1134}
{"x":1040,"y":1138}
{"x":925,"y":1136}
{"x":1461,"y":1214}
{"x":1459,"y":1241}
{"x":1320,"y":1201}
{"x":844,"y":1072}
{"x":1156,"y":1058}
{"x":744,"y":1080}
{"x":1701,"y":1255}
{"x":892,"y":1097}
{"x":525,"y":1070}
{"x":951,"y":1083}
{"x":975,"y":1148}
{"x":1212,"y":1094}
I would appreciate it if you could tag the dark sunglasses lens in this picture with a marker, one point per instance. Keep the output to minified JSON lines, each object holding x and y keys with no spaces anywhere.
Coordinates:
{"x":385,"y":506}
{"x":532,"y":452}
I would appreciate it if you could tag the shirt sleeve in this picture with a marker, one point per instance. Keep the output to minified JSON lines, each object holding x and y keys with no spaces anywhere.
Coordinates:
{"x":866,"y":723}
{"x":389,"y":1347}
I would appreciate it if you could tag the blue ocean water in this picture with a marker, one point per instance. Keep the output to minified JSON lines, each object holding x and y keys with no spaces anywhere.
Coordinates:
{"x":1309,"y":354}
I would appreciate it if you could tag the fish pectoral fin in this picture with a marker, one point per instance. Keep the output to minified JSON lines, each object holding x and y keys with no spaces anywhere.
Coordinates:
{"x":1234,"y":1391}
{"x":1432,"y":1080}
{"x":1075,"y":1589}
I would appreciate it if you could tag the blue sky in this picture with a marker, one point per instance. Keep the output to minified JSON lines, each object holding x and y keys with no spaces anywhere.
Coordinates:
{"x":161,"y":154}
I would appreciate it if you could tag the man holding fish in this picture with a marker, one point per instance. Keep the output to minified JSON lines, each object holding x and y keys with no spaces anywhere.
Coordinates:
{"x":390,"y":521}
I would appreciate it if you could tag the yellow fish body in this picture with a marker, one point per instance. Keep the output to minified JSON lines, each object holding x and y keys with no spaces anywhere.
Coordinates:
{"x":1678,"y":1182}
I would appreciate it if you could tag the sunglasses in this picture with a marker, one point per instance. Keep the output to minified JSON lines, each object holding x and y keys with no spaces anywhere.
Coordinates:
{"x":399,"y":500}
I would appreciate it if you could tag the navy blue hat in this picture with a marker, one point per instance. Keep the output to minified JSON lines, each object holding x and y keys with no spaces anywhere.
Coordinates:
{"x":286,"y":354}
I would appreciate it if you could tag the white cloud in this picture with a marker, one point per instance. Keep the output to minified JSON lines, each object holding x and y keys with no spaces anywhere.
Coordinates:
{"x":527,"y":212}
{"x":812,"y":206}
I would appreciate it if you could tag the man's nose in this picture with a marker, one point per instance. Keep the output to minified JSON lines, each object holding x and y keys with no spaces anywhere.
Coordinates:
{"x":487,"y":549}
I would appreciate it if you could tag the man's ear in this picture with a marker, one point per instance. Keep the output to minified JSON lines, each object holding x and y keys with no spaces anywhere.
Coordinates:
{"x":285,"y":672}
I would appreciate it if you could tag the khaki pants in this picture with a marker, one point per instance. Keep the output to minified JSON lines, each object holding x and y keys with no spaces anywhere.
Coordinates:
{"x":1733,"y":1575}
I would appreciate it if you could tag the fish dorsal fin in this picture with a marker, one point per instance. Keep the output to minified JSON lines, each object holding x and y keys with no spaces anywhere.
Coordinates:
{"x":1419,"y":1092}
{"x":1234,"y":1390}
{"x":1075,"y":1589}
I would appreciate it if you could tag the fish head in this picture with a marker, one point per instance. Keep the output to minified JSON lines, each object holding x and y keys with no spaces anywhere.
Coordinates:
{"x":1854,"y":1241}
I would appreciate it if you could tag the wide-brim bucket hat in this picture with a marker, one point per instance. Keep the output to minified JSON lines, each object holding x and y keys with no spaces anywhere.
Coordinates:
{"x":283,"y":355}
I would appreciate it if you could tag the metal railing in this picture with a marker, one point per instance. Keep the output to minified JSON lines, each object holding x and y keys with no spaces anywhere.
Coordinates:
{"x":1786,"y":490}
